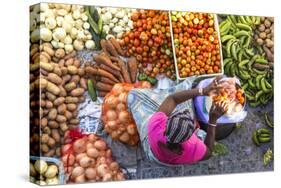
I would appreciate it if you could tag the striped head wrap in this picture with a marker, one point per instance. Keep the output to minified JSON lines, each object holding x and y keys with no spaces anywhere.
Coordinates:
{"x":180,"y":126}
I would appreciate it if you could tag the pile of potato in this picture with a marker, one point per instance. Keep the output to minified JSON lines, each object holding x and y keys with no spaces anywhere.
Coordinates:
{"x":89,"y":159}
{"x":264,"y":36}
{"x":43,"y":173}
{"x":56,"y":88}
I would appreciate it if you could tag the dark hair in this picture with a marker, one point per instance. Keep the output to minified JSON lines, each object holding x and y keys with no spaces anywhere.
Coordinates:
{"x":173,"y":145}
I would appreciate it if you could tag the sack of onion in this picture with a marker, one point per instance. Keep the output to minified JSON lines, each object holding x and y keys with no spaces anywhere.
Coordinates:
{"x":117,"y":120}
{"x":87,"y":158}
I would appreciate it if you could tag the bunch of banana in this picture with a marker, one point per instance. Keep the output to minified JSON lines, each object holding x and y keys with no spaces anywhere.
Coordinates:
{"x":268,"y":121}
{"x":267,"y":157}
{"x":261,"y":136}
{"x":246,"y":60}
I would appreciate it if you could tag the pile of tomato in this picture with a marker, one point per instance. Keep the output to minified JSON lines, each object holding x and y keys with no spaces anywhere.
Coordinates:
{"x":150,"y":42}
{"x":196,"y":44}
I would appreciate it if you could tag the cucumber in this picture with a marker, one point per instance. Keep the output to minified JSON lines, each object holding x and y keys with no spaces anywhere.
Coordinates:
{"x":91,"y":90}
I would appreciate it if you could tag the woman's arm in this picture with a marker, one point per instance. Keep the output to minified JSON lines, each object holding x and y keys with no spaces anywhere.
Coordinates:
{"x":216,"y":111}
{"x":170,"y":103}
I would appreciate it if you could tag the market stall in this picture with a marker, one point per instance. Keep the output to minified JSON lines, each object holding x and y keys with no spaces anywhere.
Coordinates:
{"x":84,"y":61}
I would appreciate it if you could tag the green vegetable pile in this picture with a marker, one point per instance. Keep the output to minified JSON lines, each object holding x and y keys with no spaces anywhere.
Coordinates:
{"x":219,"y":149}
{"x":244,"y":58}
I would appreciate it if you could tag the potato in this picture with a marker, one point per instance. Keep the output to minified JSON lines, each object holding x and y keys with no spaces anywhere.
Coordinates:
{"x":50,"y":96}
{"x":269,"y":43}
{"x":71,"y":55}
{"x":69,"y":99}
{"x":83,"y":83}
{"x":61,"y":63}
{"x":60,"y":53}
{"x":51,"y":142}
{"x":69,"y":62}
{"x":82,"y":99}
{"x":68,"y":115}
{"x":267,"y":31}
{"x":66,"y":78}
{"x":63,"y":70}
{"x":44,"y":148}
{"x":53,"y":124}
{"x":81,"y":72}
{"x":76,"y":63}
{"x":59,"y":101}
{"x":72,"y":69}
{"x":34,"y":67}
{"x":47,"y":130}
{"x":44,"y":72}
{"x":50,"y":153}
{"x":46,"y":66}
{"x":42,"y":103}
{"x":46,"y":55}
{"x":58,"y":153}
{"x":75,"y":78}
{"x":71,"y":107}
{"x":55,"y":135}
{"x":49,"y":104}
{"x":62,"y":91}
{"x":52,"y":88}
{"x":49,"y":50}
{"x":74,"y":121}
{"x":63,"y":127}
{"x":52,"y":77}
{"x":77,"y":92}
{"x":262,"y":35}
{"x":43,"y":83}
{"x":44,"y":138}
{"x":44,"y":122}
{"x":57,"y":71}
{"x":261,"y":28}
{"x":260,"y":41}
{"x":61,"y":119}
{"x":62,"y":109}
{"x":52,"y":114}
{"x":267,"y":23}
{"x":70,"y":86}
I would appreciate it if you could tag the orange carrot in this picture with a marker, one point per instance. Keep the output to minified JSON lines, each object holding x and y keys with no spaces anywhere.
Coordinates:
{"x":111,"y":49}
{"x":104,"y":73}
{"x":103,"y":86}
{"x":133,"y":68}
{"x":110,"y":70}
{"x":103,"y":46}
{"x":104,"y":59}
{"x":107,"y":81}
{"x":124,"y":71}
{"x":117,"y":46}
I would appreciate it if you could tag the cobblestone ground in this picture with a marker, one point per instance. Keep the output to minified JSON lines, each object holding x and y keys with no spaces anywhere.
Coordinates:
{"x":243,"y":155}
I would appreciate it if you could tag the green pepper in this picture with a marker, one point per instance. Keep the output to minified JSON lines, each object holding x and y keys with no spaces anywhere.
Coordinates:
{"x":142,"y":77}
{"x":151,"y":80}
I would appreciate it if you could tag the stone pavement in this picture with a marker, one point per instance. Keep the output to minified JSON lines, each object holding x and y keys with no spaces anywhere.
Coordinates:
{"x":243,"y":155}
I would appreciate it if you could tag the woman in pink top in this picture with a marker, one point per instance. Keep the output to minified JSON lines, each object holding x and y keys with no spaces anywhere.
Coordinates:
{"x":171,"y":136}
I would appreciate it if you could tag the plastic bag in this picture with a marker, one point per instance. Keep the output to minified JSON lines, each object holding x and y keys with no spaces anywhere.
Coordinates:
{"x":117,"y":120}
{"x":87,"y":158}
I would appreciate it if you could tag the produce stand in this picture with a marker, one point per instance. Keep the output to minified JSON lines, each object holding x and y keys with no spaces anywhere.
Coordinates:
{"x":83,"y":66}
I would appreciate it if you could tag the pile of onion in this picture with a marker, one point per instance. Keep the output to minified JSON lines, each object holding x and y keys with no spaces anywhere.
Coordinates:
{"x":89,"y":159}
{"x":118,"y":121}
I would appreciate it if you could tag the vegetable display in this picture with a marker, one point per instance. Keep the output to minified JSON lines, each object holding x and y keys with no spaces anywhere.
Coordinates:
{"x":87,"y":158}
{"x":43,"y":173}
{"x":109,"y":67}
{"x":58,"y":78}
{"x":118,"y":121}
{"x":246,"y":59}
{"x":197,"y":47}
{"x":64,"y":26}
{"x":150,"y":42}
{"x":264,"y":35}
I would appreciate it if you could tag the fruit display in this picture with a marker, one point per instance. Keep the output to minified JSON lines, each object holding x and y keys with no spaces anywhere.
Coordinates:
{"x":56,"y":88}
{"x":118,"y":121}
{"x":244,"y":58}
{"x":87,"y":158}
{"x":264,"y":36}
{"x":196,"y":41}
{"x":150,"y":42}
{"x":44,"y":172}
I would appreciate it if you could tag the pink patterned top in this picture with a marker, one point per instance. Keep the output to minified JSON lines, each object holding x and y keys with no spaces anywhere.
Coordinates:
{"x":194,"y":149}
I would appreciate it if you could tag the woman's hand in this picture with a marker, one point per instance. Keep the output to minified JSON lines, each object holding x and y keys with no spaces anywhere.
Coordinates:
{"x":212,"y":87}
{"x":217,"y":110}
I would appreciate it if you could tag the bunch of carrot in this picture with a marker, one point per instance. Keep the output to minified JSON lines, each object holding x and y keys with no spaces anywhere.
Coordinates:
{"x":110,"y":68}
